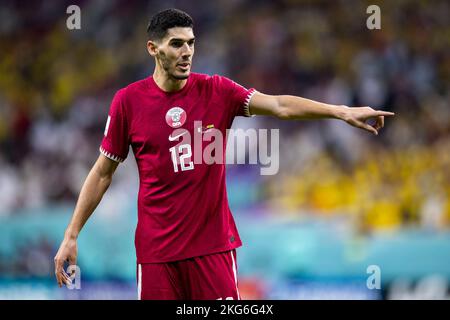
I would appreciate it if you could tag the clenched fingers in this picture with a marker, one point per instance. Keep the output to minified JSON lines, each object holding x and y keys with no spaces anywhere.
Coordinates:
{"x":380,"y":123}
{"x":61,"y":275}
{"x":363,"y":125}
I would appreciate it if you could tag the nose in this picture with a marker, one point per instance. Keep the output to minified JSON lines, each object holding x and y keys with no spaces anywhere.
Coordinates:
{"x":187,"y":51}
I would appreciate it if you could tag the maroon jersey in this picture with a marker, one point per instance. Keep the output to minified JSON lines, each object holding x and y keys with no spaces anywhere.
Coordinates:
{"x":183,"y":208}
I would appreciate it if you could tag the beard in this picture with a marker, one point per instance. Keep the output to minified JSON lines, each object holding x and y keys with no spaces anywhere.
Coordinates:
{"x":171,"y":71}
{"x":178,"y":76}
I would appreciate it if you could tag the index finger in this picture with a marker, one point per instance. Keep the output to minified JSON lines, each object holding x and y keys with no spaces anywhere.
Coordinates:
{"x":384,"y":113}
{"x":59,"y":264}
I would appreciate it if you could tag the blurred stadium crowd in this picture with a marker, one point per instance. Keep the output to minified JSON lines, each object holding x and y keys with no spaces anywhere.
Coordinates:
{"x":56,"y":86}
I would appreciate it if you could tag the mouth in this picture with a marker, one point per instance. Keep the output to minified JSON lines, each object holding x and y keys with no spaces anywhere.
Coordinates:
{"x":184,"y":66}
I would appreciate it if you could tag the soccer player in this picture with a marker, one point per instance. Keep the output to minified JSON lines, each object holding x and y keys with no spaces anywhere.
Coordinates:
{"x":186,"y":237}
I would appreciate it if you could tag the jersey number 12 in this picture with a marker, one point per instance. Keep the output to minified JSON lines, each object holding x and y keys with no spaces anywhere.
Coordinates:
{"x":184,"y":156}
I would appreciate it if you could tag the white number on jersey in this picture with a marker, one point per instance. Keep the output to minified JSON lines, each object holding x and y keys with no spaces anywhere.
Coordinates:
{"x":185,"y":157}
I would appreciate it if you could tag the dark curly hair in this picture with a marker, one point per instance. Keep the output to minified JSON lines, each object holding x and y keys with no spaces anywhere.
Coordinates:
{"x":166,"y":19}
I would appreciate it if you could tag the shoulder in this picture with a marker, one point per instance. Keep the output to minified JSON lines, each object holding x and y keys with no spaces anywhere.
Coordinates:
{"x":136,"y":86}
{"x":132,"y":88}
{"x":214,"y":81}
{"x":121,"y":97}
{"x":200,"y":78}
{"x":203,"y":77}
{"x":217,"y":78}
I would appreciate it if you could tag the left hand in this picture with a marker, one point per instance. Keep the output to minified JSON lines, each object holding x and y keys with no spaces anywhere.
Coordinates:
{"x":358,"y":116}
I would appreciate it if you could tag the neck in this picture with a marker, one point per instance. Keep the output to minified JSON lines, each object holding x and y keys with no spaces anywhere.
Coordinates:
{"x":167,"y":83}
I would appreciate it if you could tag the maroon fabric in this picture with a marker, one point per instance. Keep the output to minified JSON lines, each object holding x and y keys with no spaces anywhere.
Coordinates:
{"x":183,"y":208}
{"x":209,"y":277}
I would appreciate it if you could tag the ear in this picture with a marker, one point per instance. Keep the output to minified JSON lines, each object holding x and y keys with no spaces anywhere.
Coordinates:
{"x":152,"y":48}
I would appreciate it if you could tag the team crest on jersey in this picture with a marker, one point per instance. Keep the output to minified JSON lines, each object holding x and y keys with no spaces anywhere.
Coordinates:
{"x":176,"y":117}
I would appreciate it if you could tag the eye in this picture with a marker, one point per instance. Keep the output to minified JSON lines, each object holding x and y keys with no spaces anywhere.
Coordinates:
{"x":191,"y":43}
{"x":176,"y":44}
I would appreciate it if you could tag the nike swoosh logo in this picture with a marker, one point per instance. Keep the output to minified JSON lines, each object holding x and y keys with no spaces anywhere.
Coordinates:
{"x":177,"y":136}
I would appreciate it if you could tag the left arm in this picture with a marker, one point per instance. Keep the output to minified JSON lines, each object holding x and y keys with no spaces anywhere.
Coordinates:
{"x":296,"y":108}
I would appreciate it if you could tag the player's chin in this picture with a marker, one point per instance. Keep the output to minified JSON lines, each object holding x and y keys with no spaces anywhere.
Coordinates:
{"x":181,"y":74}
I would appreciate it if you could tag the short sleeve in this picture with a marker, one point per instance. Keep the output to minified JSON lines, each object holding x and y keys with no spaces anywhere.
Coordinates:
{"x":238,"y":96}
{"x":115,"y":142}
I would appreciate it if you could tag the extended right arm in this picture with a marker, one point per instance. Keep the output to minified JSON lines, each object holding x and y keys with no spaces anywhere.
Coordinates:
{"x":94,"y":187}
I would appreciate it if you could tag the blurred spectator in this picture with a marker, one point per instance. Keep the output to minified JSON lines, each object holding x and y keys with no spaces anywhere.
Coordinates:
{"x":56,"y":86}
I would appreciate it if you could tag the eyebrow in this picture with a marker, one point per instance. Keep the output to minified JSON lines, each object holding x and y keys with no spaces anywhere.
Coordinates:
{"x":179,"y":39}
